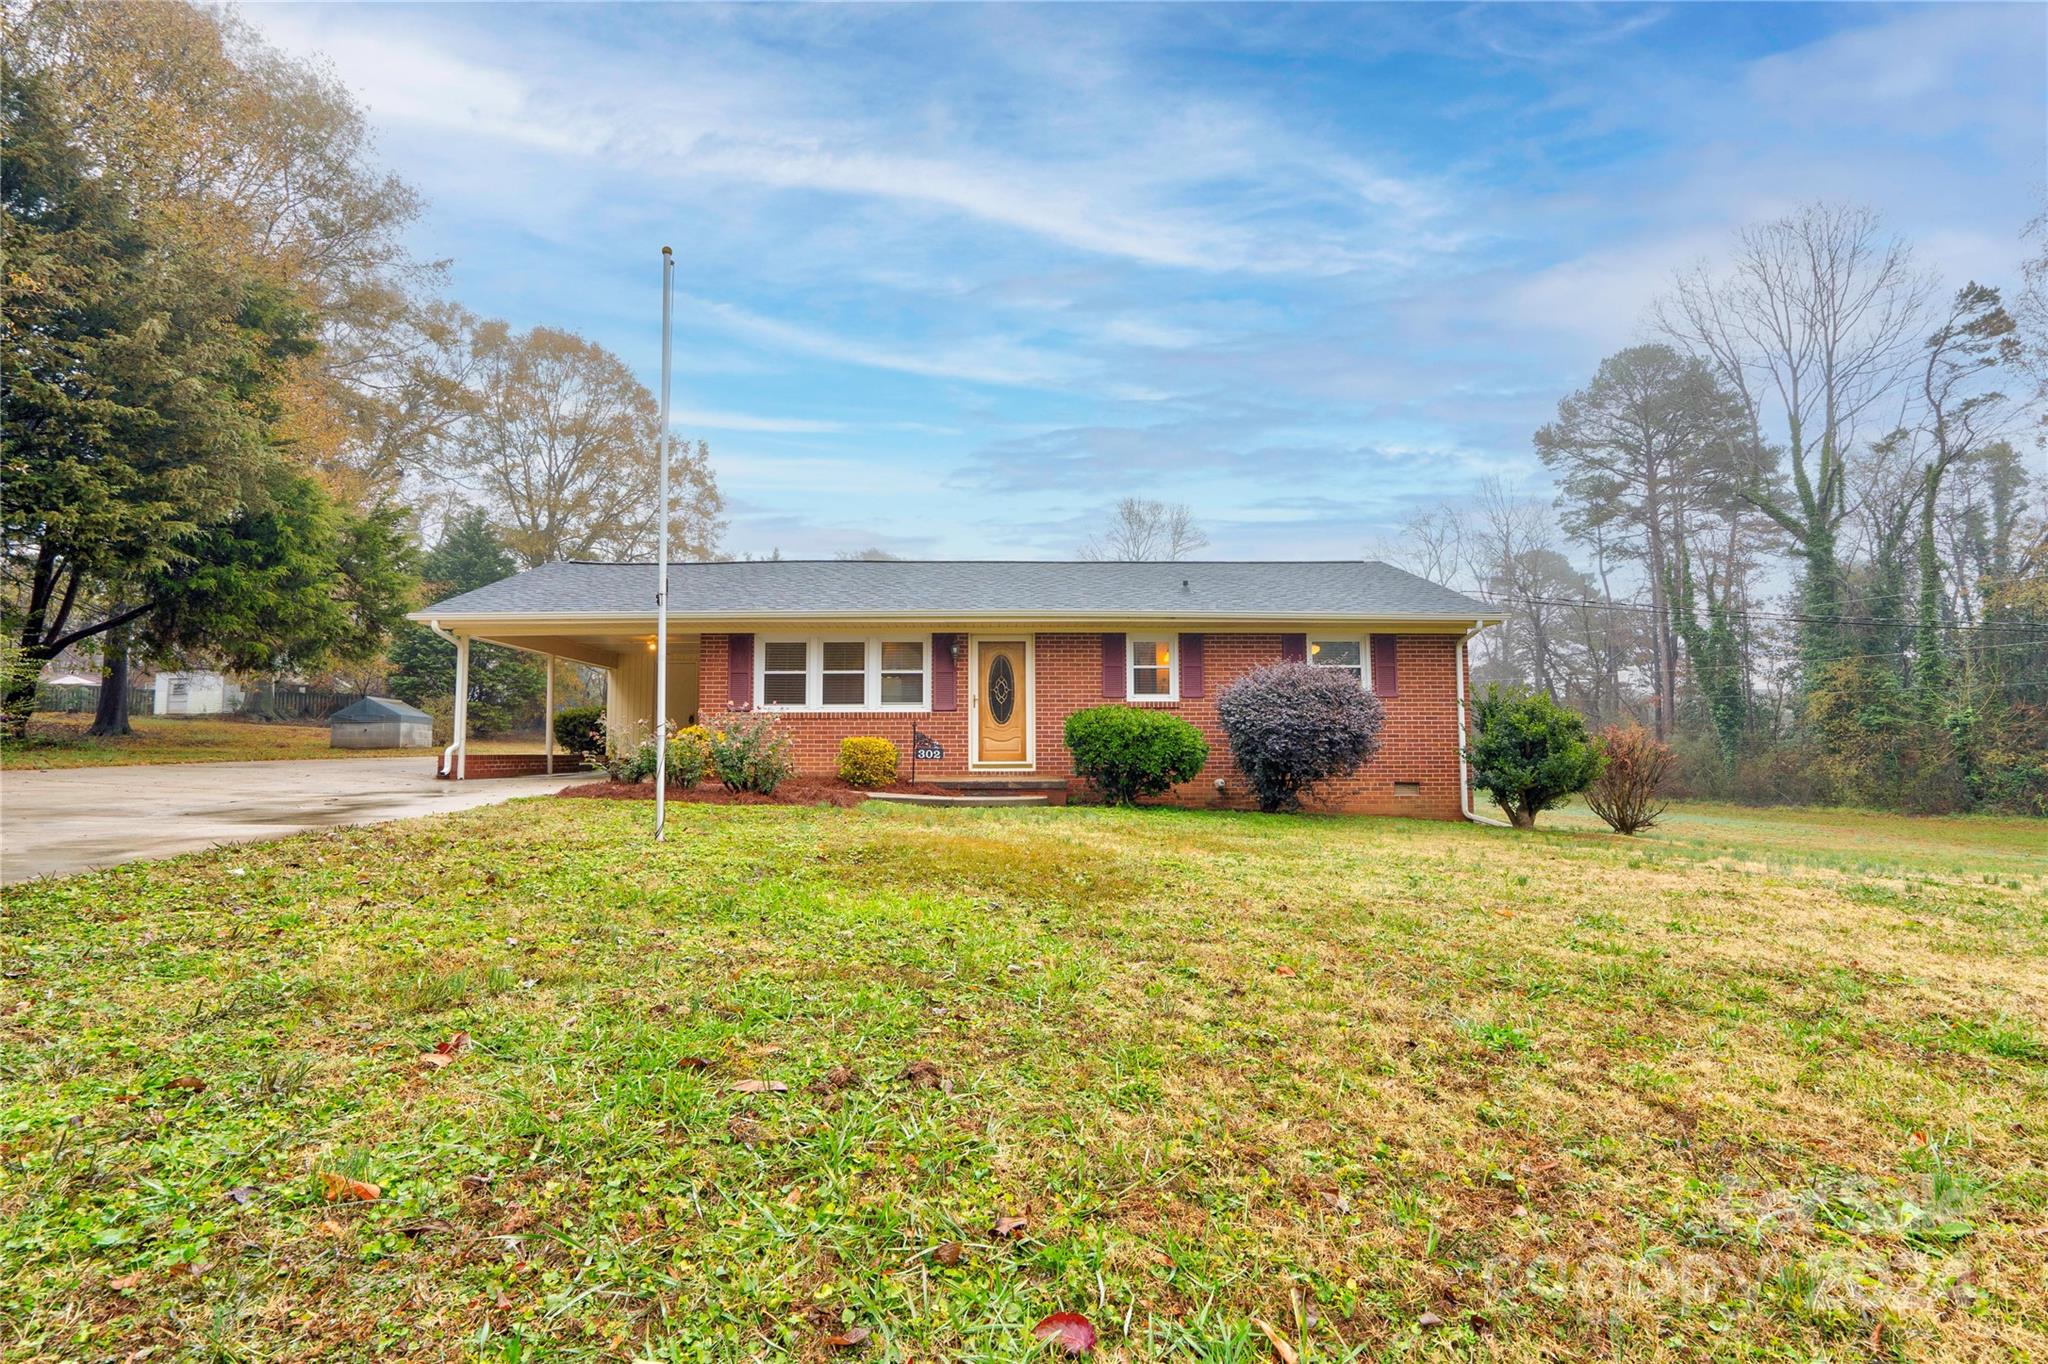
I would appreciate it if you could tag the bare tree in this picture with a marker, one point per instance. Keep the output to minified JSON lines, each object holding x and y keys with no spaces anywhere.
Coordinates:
{"x":1141,"y":528}
{"x":1812,"y":327}
{"x":560,"y":448}
{"x":872,"y":554}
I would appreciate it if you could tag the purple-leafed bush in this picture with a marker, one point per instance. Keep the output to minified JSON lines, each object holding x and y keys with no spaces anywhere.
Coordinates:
{"x":1293,"y":725}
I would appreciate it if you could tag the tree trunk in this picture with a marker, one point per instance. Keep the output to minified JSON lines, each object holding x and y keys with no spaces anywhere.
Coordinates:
{"x":110,"y":720}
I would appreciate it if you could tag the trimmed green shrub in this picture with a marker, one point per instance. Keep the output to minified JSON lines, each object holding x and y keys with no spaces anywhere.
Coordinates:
{"x":867,"y":763}
{"x":580,"y":732}
{"x":750,"y":755}
{"x":1127,"y":751}
{"x":1530,"y":753}
{"x":1292,"y":726}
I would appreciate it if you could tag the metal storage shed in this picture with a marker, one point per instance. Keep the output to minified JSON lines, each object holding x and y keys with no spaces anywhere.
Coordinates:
{"x":380,"y":722}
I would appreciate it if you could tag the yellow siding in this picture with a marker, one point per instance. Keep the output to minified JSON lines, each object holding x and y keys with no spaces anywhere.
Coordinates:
{"x":629,"y":692}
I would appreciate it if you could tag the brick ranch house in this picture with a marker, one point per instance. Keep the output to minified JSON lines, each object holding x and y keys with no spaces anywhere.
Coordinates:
{"x":987,"y":659}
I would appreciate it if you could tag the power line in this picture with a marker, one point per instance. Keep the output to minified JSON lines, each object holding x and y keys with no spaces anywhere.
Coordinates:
{"x":1900,"y":622}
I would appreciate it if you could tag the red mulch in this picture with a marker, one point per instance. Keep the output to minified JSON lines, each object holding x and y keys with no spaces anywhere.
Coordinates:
{"x":795,"y":791}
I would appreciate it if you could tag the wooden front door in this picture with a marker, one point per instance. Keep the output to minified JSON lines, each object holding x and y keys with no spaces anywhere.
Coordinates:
{"x":1000,"y":709}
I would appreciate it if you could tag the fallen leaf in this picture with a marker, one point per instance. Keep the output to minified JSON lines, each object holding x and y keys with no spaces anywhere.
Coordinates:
{"x":761,"y":1087}
{"x":434,"y":1060}
{"x":851,"y":1336}
{"x":948,"y":1253}
{"x":1070,"y":1330}
{"x":329,"y":1226}
{"x":126,"y":1282}
{"x":925,"y":1075}
{"x":191,"y":1082}
{"x":837,"y":1078}
{"x":242,"y":1195}
{"x":451,"y":1045}
{"x":1009,"y":1228}
{"x":1429,"y":1320}
{"x":1278,"y":1342}
{"x":693,"y":1063}
{"x":342,"y":1189}
{"x":1283,"y":970}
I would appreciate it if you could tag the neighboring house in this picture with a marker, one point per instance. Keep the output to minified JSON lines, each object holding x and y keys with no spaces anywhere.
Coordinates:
{"x":988,"y":659}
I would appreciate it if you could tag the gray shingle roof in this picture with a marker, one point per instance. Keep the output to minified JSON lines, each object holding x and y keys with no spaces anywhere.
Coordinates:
{"x":371,"y":709}
{"x":971,"y":588}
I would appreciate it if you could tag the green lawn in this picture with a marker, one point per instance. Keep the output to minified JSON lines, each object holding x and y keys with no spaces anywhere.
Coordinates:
{"x":1761,"y":1086}
{"x":60,"y":741}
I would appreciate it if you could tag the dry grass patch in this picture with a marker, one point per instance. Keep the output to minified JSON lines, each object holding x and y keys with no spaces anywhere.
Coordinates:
{"x":1732,"y":1091}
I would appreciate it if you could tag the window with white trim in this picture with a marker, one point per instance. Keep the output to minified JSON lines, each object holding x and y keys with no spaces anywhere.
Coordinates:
{"x":835,"y":673}
{"x":902,"y":670}
{"x":1350,"y":655}
{"x":1150,"y":661}
{"x":842,"y":672}
{"x":785,"y":672}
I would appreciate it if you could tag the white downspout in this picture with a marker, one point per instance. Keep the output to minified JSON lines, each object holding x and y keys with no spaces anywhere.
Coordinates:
{"x":447,"y":766}
{"x":455,"y":757}
{"x":1464,"y":768}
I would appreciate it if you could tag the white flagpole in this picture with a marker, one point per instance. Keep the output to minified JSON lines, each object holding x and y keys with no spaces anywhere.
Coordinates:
{"x":668,"y":276}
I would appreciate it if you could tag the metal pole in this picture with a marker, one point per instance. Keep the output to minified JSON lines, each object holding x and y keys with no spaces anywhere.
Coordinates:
{"x":547,"y":722}
{"x":668,"y":276}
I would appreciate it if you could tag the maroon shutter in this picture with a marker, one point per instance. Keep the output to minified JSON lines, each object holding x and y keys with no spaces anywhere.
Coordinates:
{"x":1385,"y":681}
{"x":1113,"y":667}
{"x":739,"y":671}
{"x":945,"y":674}
{"x":1191,"y":667}
{"x":1294,"y":648}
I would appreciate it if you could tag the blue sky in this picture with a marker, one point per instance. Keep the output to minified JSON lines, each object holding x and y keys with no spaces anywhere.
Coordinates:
{"x":952,"y":280}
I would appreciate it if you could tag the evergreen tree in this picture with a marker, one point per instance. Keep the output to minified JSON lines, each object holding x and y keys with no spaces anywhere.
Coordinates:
{"x":504,"y":684}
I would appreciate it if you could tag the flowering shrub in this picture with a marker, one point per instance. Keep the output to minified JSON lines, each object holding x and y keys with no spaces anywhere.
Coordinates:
{"x":1127,"y":751}
{"x":1294,"y":725}
{"x":749,"y":755}
{"x":867,"y":763}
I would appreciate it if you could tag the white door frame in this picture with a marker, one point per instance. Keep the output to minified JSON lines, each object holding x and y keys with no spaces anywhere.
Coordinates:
{"x":1030,"y":763}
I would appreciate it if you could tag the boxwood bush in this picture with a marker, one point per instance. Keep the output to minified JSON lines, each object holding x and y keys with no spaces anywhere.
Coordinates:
{"x":1127,"y":751}
{"x":580,"y":731}
{"x":1294,"y":725}
{"x":867,"y":763}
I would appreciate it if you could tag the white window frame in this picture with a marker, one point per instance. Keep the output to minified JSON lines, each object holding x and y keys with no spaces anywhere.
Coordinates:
{"x":814,"y":673}
{"x":1172,"y":694}
{"x":1364,"y":643}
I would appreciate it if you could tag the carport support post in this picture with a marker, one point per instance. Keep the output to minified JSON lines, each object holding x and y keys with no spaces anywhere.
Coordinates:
{"x":548,"y":719}
{"x":461,"y":724}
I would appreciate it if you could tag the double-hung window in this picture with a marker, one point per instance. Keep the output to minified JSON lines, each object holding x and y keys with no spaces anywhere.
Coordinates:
{"x":785,"y":672}
{"x":1151,"y":665}
{"x":829,"y":672}
{"x":1345,"y":655}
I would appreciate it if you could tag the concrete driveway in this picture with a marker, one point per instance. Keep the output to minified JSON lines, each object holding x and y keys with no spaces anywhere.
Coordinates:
{"x":56,"y":823}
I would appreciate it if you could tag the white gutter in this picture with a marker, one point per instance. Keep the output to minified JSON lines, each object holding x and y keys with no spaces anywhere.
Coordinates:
{"x":1464,"y":768}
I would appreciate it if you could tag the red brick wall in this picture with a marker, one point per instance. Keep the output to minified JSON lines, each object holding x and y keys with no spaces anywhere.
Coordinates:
{"x":1419,"y":744}
{"x":511,"y":765}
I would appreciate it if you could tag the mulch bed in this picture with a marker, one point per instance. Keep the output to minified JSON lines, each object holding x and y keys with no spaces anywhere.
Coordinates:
{"x":795,"y":791}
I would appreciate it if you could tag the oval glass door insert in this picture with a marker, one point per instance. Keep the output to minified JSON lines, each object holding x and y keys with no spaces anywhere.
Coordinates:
{"x":1002,"y":689}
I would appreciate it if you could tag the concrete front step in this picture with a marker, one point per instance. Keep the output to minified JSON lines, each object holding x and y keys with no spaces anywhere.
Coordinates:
{"x":1000,"y":782}
{"x":966,"y":798}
